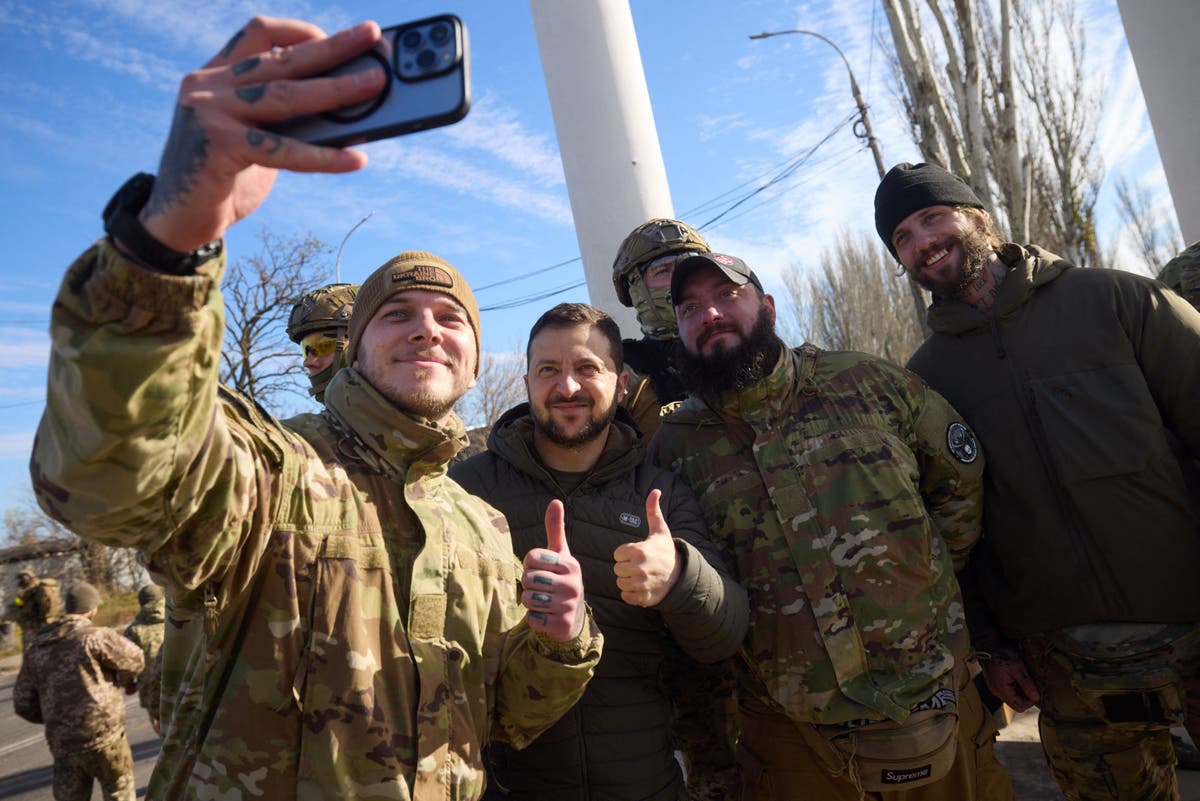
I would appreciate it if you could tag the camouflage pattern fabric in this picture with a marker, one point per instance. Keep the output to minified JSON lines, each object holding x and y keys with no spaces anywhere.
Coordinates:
{"x":146,"y":632}
{"x":150,"y":689}
{"x":34,"y":607}
{"x":71,"y":680}
{"x":110,"y":766}
{"x":1108,"y":703}
{"x":345,"y":619}
{"x":1182,"y":274}
{"x":847,"y":491}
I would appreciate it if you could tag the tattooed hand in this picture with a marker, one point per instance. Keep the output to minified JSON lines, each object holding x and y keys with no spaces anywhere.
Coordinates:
{"x":553,"y":583}
{"x":218,"y":164}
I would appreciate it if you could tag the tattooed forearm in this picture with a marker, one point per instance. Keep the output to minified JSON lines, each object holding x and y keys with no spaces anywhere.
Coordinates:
{"x":242,"y":67}
{"x":182,"y":158}
{"x":251,"y":94}
{"x":264,"y":139}
{"x":232,"y":43}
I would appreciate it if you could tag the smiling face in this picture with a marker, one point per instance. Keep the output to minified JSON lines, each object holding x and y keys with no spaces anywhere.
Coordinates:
{"x":943,"y":248}
{"x":573,"y":384}
{"x":418,"y":350}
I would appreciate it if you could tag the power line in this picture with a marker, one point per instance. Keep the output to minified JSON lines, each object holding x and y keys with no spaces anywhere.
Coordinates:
{"x":23,"y":403}
{"x":786,"y":171}
{"x":522,"y":301}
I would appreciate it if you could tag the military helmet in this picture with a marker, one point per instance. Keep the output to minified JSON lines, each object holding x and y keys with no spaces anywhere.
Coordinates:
{"x":322,"y":309}
{"x":647,"y":242}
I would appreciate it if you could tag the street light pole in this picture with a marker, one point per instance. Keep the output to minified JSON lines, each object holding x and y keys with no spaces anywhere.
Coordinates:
{"x":337,"y":267}
{"x":863,"y":130}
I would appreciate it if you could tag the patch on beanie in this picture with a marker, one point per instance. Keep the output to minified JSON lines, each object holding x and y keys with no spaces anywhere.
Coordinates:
{"x":424,"y":274}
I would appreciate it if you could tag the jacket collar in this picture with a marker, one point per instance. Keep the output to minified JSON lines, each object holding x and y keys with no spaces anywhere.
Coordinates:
{"x":383,"y":436}
{"x":761,"y":403}
{"x":511,"y":439}
{"x":1029,"y":267}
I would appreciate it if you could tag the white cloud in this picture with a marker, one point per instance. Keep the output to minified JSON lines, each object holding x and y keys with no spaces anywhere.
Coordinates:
{"x":495,"y":130}
{"x":465,"y":176}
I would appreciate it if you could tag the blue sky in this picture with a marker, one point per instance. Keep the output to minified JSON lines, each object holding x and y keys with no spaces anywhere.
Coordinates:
{"x":87,"y":88}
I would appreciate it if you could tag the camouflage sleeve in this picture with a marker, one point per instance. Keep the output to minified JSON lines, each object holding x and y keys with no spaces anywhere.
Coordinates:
{"x":707,"y":610}
{"x":26,"y":700}
{"x":133,"y":449}
{"x":951,"y":465}
{"x":121,"y":658}
{"x":1182,"y":274}
{"x":150,"y":687}
{"x":540,"y":679}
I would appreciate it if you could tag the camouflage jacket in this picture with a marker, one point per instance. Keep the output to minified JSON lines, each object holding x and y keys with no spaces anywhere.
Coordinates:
{"x":344,"y":618}
{"x":146,"y":632}
{"x":1182,"y":274}
{"x":71,"y":679}
{"x":847,"y":491}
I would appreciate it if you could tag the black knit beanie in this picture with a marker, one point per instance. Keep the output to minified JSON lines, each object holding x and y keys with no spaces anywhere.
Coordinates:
{"x":912,"y":187}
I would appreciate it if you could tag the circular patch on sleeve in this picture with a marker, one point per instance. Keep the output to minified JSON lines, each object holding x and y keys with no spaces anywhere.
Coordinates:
{"x":962,"y":443}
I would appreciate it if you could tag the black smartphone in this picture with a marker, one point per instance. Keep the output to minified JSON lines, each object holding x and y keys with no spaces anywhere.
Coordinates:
{"x":428,"y":85}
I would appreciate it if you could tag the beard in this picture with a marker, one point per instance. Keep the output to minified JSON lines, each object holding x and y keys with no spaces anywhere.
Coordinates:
{"x":976,"y":251}
{"x":732,"y":368}
{"x":422,"y":400}
{"x":596,"y":424}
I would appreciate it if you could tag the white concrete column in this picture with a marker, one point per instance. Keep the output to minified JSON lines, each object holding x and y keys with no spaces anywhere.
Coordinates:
{"x":606,"y":135}
{"x":1162,"y":39}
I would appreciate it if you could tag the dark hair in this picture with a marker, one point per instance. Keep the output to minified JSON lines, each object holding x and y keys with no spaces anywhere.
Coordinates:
{"x":570,"y":315}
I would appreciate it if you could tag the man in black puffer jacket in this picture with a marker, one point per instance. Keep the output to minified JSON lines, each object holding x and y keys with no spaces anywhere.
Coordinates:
{"x":655,"y":581}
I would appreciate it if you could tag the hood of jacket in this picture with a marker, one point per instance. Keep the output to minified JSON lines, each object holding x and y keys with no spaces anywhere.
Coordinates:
{"x":1029,"y":267}
{"x":511,"y":439}
{"x":385,"y":437}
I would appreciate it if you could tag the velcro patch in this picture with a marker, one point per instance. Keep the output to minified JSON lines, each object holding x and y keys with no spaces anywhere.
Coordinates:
{"x":962,"y":443}
{"x":425,"y":275}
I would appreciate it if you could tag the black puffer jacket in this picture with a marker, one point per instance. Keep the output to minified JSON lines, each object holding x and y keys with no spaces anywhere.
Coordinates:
{"x":615,"y":744}
{"x":1082,"y":387}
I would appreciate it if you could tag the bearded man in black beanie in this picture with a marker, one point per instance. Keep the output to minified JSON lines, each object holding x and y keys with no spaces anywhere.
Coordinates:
{"x":1081,"y":386}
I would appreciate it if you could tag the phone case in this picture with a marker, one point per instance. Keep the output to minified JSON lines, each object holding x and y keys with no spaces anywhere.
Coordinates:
{"x":427,"y":62}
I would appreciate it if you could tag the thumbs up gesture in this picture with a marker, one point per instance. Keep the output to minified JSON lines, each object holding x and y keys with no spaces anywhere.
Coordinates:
{"x":647,"y":570}
{"x":553,"y":583}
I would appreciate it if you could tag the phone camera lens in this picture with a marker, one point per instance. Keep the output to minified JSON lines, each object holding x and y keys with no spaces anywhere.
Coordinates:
{"x":439,"y":34}
{"x":426,"y":58}
{"x":411,"y":40}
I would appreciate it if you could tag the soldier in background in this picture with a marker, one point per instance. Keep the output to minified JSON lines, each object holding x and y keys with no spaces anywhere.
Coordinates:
{"x":146,"y":632}
{"x":642,"y":279}
{"x":71,"y":679}
{"x":34,"y":605}
{"x":705,"y":712}
{"x":1182,"y":274}
{"x":848,"y":493}
{"x":320,"y":325}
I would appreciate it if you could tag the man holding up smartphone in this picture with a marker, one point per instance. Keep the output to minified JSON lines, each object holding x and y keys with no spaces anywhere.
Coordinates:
{"x":346,"y":621}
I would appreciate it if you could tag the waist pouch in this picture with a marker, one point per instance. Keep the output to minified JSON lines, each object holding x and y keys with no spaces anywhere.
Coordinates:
{"x":886,"y":755}
{"x":1133,"y":690}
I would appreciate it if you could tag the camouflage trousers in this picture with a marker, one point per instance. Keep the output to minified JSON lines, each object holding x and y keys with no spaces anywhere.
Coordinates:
{"x":781,"y":761}
{"x":110,"y":765}
{"x":1105,"y":723}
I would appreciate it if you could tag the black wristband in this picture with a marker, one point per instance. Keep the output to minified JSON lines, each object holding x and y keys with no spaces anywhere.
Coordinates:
{"x":121,"y":222}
